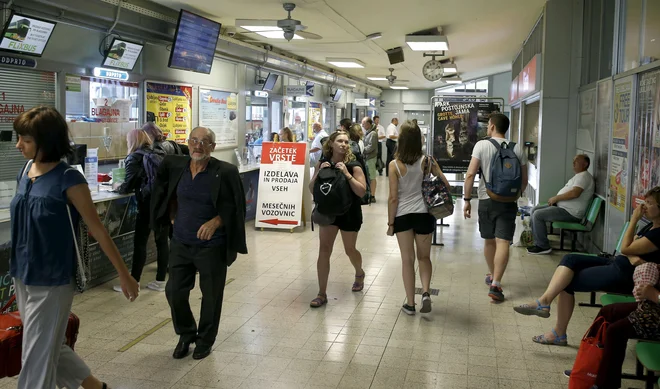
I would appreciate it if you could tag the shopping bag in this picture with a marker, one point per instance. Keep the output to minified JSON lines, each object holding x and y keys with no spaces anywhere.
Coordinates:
{"x":437,"y":196}
{"x":589,"y":356}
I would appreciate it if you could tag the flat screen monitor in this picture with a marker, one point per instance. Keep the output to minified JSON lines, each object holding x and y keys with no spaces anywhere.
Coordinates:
{"x":194,"y":43}
{"x":337,"y":95}
{"x":26,"y":34}
{"x":122,"y":55}
{"x":271,"y":80}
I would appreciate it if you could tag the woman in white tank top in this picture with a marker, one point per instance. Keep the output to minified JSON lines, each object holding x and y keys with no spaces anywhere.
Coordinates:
{"x":408,"y":216}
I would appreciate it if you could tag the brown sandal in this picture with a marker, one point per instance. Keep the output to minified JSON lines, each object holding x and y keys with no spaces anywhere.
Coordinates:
{"x":357,"y":285}
{"x":319,"y":301}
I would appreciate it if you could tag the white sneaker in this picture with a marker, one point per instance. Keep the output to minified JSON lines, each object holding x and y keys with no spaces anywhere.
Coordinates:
{"x":117,"y":288}
{"x":158,"y":286}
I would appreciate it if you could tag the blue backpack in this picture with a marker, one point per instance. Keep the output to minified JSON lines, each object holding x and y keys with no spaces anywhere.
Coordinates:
{"x":151,"y":160}
{"x":505,"y":181}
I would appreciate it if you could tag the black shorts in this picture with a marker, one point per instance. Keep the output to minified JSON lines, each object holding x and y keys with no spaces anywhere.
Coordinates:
{"x":420,"y":223}
{"x":351,"y":221}
{"x":497,"y":220}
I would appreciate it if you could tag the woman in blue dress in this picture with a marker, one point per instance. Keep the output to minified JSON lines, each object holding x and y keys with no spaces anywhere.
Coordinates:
{"x":43,"y":256}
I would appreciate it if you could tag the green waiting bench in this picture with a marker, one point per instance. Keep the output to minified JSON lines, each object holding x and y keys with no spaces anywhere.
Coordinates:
{"x":574,"y":228}
{"x":648,"y":357}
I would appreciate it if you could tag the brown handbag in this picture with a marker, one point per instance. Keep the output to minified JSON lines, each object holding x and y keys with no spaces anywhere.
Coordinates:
{"x":11,"y":339}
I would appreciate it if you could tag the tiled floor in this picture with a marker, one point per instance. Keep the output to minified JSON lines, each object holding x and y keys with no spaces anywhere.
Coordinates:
{"x":270,"y":338}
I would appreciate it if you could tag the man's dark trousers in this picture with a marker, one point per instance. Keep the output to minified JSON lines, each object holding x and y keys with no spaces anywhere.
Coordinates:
{"x":185,"y":262}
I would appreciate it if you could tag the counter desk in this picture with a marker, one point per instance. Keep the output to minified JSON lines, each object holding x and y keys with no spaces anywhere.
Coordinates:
{"x":117,"y":212}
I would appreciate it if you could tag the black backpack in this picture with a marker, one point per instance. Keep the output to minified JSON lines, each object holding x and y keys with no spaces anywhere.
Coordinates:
{"x":332,"y":192}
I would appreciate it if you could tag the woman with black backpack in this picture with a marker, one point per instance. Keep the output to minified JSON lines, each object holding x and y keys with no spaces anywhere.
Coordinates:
{"x":139,"y":149}
{"x":345,"y":174}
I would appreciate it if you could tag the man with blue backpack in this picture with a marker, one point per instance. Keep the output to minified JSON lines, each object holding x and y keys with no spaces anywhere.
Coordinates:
{"x":503,"y":166}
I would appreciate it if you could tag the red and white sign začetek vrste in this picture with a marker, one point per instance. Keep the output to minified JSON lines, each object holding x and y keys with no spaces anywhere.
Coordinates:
{"x":281,"y":182}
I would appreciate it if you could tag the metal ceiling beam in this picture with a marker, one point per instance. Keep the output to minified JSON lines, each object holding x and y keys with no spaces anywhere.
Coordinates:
{"x":149,"y":22}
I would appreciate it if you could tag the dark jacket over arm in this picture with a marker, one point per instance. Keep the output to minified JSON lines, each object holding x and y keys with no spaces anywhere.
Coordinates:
{"x":134,"y":174}
{"x":227,"y":191}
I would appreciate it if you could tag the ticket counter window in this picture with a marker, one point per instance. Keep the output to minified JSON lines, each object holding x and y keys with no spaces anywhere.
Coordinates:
{"x":298,"y":119}
{"x":100,"y":114}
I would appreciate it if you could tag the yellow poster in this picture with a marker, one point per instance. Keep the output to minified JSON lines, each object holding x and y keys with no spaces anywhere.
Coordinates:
{"x":170,"y":107}
{"x":314,"y":117}
{"x":619,"y":162}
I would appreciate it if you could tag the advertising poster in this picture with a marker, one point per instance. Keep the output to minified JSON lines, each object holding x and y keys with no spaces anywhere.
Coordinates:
{"x":646,"y":162}
{"x":217,"y":112}
{"x":620,"y":131}
{"x":26,"y":35}
{"x":251,"y":188}
{"x":122,"y":55}
{"x":170,"y":106}
{"x":279,"y":199}
{"x":314,"y":117}
{"x":455,"y":132}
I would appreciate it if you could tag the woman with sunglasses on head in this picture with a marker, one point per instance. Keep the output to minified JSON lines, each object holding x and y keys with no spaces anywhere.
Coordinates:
{"x":51,"y":197}
{"x":408,"y":216}
{"x":337,"y":155}
{"x":584,"y":273}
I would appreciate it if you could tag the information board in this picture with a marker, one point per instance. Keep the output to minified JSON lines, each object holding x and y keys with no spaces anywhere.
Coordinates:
{"x":26,"y":35}
{"x":170,"y":106}
{"x":122,"y":54}
{"x":217,"y":112}
{"x":279,"y":199}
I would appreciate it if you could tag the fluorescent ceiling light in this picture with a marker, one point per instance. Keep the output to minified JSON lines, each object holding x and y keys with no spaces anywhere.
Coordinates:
{"x":456,"y":80}
{"x":450,"y":68}
{"x":427,"y":42}
{"x":377,"y":78}
{"x":345,"y":62}
{"x":398,"y":87}
{"x":269,"y":32}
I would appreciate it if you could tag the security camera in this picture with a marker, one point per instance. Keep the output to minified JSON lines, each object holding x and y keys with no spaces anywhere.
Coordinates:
{"x":231,"y":32}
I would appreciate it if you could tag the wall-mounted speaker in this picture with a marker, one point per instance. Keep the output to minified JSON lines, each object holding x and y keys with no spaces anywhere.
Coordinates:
{"x":395,"y":55}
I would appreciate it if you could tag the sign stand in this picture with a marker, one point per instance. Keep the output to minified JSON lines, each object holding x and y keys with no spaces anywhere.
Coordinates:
{"x":437,"y":103}
{"x":280,"y":202}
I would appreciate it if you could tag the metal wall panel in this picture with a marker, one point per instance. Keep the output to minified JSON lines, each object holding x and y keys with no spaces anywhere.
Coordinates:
{"x":20,"y":90}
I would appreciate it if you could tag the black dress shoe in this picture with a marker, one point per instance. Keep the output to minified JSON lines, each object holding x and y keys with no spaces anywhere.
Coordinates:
{"x":201,"y":352}
{"x":182,"y":349}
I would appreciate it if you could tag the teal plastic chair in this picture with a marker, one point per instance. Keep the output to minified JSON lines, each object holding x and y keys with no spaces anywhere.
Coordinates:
{"x":574,"y":228}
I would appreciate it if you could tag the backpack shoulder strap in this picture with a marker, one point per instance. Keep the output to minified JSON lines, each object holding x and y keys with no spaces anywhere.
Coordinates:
{"x":512,"y":145}
{"x":497,"y":144}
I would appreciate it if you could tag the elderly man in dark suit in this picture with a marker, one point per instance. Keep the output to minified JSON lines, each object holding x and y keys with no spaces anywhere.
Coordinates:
{"x":203,"y":199}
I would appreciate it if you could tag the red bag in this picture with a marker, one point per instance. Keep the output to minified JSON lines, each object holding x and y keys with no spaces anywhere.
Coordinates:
{"x":589,"y":356}
{"x":11,"y":339}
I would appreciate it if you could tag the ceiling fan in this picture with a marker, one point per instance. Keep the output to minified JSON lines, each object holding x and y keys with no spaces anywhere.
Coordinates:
{"x":288,"y":28}
{"x":391,"y":78}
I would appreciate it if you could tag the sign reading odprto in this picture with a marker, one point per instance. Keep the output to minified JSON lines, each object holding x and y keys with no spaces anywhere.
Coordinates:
{"x":170,"y":106}
{"x":279,"y":201}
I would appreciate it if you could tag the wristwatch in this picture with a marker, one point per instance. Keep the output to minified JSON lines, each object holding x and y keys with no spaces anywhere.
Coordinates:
{"x":468,"y":200}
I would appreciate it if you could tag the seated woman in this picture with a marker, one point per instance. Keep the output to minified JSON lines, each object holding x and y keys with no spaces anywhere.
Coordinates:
{"x":626,"y":321}
{"x":584,"y":273}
